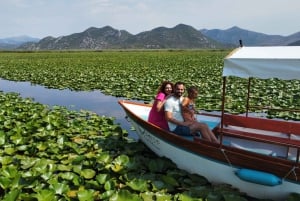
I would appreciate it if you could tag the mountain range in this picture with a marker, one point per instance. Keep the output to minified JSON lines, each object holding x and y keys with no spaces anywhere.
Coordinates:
{"x":250,"y":38}
{"x":15,"y":42}
{"x":179,"y":37}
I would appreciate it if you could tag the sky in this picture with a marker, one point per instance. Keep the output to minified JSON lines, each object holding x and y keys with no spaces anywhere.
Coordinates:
{"x":42,"y":18}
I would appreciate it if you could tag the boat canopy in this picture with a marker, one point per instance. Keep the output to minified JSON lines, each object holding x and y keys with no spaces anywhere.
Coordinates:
{"x":281,"y":62}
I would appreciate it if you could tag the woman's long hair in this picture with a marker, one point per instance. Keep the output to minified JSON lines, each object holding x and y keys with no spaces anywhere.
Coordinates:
{"x":163,"y":86}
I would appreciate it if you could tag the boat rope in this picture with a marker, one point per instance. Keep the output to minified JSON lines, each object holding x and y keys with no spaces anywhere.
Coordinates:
{"x":291,"y":171}
{"x":226,"y":157}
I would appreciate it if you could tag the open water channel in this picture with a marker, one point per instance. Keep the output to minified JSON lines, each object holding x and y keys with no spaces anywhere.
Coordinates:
{"x":73,"y":100}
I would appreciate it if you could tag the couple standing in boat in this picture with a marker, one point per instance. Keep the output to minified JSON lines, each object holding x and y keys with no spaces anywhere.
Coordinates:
{"x":173,"y":112}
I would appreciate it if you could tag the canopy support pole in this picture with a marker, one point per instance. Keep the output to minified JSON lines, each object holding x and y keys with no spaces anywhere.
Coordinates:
{"x":223,"y":102}
{"x":248,"y":96}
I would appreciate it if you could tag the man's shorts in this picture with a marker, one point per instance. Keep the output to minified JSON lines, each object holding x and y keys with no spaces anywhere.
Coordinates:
{"x":182,"y":130}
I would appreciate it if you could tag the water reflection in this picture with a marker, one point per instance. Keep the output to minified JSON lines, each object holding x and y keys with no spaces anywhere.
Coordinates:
{"x":93,"y":101}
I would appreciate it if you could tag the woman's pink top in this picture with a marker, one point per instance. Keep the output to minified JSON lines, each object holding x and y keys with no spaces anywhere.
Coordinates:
{"x":158,"y":118}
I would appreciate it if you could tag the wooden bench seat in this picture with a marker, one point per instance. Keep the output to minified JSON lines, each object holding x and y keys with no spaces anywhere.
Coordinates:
{"x":288,"y":127}
{"x":260,"y":137}
{"x":264,"y":125}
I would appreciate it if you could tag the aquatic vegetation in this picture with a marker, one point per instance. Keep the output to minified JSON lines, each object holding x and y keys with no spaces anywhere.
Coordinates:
{"x":58,"y":154}
{"x":137,"y":75}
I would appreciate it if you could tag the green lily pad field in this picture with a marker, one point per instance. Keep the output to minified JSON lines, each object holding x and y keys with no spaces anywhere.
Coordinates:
{"x":58,"y":154}
{"x":137,"y":75}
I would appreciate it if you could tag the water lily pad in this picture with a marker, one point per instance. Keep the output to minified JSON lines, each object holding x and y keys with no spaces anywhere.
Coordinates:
{"x":5,"y":160}
{"x":120,"y":163}
{"x":88,"y":173}
{"x":5,"y":182}
{"x":138,"y":185}
{"x":102,"y":178}
{"x":12,"y":195}
{"x":107,"y":194}
{"x":28,"y":162}
{"x":163,"y":196}
{"x":85,"y":195}
{"x":46,"y":195}
{"x":68,"y":175}
{"x":110,"y":184}
{"x":148,"y":196}
{"x":124,"y":195}
{"x":63,"y":167}
{"x":2,"y":138}
{"x":60,"y":188}
{"x":169,"y":180}
{"x":9,"y":171}
{"x":9,"y":150}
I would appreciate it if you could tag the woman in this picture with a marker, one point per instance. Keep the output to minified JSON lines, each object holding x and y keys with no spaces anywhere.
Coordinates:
{"x":157,"y":114}
{"x":188,"y":105}
{"x":188,"y":113}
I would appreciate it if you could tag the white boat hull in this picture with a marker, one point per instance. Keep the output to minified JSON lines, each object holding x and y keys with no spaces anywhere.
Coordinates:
{"x":215,"y":172}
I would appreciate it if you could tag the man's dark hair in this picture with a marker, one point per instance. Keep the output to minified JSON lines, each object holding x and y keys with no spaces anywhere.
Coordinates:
{"x":178,"y":83}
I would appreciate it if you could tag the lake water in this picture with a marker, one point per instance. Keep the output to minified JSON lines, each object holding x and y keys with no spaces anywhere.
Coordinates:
{"x":83,"y":100}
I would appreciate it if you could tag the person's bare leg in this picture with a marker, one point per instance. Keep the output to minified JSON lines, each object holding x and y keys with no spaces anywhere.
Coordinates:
{"x":206,"y":133}
{"x":212,"y":135}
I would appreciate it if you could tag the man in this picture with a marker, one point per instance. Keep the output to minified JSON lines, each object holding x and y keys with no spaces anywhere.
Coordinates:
{"x":173,"y":112}
{"x":176,"y":122}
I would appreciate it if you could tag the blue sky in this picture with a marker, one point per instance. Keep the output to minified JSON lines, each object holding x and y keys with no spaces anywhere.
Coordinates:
{"x":41,"y":18}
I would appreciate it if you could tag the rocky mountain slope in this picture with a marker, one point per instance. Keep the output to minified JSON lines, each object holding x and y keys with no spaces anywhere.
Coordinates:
{"x":179,"y":37}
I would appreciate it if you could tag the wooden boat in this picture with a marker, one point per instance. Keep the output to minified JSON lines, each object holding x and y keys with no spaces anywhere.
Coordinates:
{"x":259,"y":156}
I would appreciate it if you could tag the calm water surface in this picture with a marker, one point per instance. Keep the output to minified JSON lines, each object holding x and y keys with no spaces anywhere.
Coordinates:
{"x":83,"y":100}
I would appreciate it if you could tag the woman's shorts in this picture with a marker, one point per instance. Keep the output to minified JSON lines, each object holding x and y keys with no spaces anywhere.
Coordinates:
{"x":182,"y":130}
